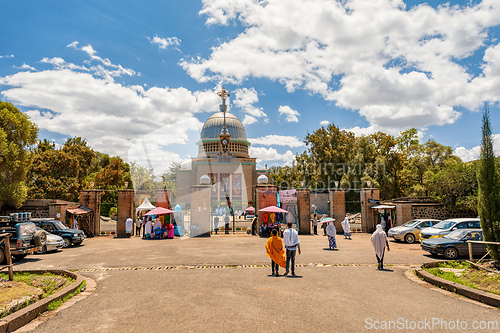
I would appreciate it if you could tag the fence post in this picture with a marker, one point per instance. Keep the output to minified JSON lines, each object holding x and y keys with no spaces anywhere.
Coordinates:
{"x":470,"y":250}
{"x":9,"y":257}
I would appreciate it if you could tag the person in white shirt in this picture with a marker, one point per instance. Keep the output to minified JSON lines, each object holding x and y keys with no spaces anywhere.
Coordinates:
{"x":292,"y":244}
{"x":138,"y":226}
{"x":128,"y":226}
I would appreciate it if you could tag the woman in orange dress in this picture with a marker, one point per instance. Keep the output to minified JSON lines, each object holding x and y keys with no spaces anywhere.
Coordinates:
{"x":274,"y":249}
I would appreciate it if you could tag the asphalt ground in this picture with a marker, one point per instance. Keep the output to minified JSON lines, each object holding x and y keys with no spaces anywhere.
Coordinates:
{"x":219,"y":284}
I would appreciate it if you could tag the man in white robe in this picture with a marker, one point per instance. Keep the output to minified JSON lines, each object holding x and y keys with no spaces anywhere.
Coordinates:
{"x":347,"y":228}
{"x":128,"y":226}
{"x":379,"y":241}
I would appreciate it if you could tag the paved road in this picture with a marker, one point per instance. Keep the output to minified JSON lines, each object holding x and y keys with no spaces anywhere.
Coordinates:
{"x":141,"y":288}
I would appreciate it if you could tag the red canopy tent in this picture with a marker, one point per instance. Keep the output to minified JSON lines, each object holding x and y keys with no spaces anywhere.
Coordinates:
{"x":273,"y":209}
{"x":159,"y":211}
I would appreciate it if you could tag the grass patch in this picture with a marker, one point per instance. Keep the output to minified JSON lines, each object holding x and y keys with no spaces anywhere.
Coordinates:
{"x":470,"y":277}
{"x":57,"y":303}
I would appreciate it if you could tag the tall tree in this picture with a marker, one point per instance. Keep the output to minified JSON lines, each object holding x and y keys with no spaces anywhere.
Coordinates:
{"x":17,"y":136}
{"x":488,"y":195}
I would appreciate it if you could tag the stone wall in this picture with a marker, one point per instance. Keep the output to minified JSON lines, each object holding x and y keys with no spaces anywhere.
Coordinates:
{"x":436,"y":211}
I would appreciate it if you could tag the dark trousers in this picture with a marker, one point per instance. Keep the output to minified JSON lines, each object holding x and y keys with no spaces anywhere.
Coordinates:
{"x":380,"y":261}
{"x":274,"y":266}
{"x":138,"y":230}
{"x":290,"y":256}
{"x":227,"y":228}
{"x":315,"y":229}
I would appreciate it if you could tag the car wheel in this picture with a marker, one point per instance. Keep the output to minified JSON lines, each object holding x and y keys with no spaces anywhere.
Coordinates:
{"x":42,"y":250}
{"x":410,"y":238}
{"x":450,"y":253}
{"x":19,"y":256}
{"x":67,"y":242}
{"x":40,"y":238}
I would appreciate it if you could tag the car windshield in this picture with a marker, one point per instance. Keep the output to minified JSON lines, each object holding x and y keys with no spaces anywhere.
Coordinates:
{"x":27,"y":229}
{"x":444,"y":225}
{"x":456,"y":234}
{"x":410,"y":223}
{"x":59,"y":225}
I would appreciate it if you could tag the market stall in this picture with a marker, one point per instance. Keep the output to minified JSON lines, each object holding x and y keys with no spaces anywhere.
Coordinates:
{"x":157,"y":226}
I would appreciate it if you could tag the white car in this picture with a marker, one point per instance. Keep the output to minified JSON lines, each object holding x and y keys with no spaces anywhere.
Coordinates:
{"x":53,"y":243}
{"x":446,"y":226}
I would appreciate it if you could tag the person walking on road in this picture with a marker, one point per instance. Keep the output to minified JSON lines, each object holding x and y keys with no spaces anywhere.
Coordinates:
{"x":331,"y":231}
{"x":379,"y":241}
{"x":347,"y":228}
{"x":292,"y":244}
{"x":138,"y":226}
{"x":226,"y":224}
{"x":216,"y":224}
{"x":274,"y":249}
{"x":254,"y":225}
{"x":315,"y":224}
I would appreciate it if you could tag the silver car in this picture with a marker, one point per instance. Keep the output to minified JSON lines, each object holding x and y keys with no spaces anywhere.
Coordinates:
{"x":410,"y":231}
{"x":53,"y":243}
{"x":446,"y":226}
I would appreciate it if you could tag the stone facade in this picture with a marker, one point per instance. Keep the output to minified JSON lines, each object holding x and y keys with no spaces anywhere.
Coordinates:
{"x":125,"y":210}
{"x":367,"y":213}
{"x":337,"y":207}
{"x":436,"y":211}
{"x":304,"y":204}
{"x":91,"y":199}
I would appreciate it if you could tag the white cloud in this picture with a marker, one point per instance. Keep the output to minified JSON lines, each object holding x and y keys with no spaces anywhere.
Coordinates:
{"x":277,"y":140}
{"x":324,"y":123}
{"x":474,"y":153}
{"x":271,"y":154}
{"x":106,"y":113}
{"x":7,"y":56}
{"x":398,"y":68}
{"x":164,"y":43}
{"x":291,"y":114}
{"x":25,"y":66}
{"x":105,"y":68}
{"x":244,"y":99}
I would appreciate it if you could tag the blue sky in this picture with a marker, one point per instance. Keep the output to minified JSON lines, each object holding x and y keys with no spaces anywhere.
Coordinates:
{"x":138,"y":78}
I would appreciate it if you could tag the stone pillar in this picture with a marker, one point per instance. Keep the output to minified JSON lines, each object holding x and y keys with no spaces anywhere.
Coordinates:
{"x":266,"y":196}
{"x":125,"y":210}
{"x":304,"y":210}
{"x":403,"y":213}
{"x":200,"y":210}
{"x":337,"y":207}
{"x":367,"y":213}
{"x":91,"y":199}
{"x":58,"y":208}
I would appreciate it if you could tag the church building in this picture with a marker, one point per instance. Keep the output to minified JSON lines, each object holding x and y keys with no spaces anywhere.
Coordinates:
{"x":223,"y":162}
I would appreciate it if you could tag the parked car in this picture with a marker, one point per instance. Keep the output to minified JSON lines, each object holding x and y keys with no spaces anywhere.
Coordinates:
{"x":455,"y":244}
{"x":446,"y":226}
{"x":410,"y":231}
{"x":53,"y":243}
{"x":70,"y":236}
{"x":23,"y":240}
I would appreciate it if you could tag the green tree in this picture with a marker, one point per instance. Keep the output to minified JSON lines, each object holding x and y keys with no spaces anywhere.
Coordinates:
{"x":488,"y":187}
{"x":17,"y":136}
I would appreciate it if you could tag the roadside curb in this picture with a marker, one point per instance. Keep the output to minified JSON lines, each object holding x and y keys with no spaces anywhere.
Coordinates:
{"x":472,"y":293}
{"x":22,"y":317}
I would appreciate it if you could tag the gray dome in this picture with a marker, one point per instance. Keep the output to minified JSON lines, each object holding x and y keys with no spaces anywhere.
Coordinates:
{"x":214,"y":125}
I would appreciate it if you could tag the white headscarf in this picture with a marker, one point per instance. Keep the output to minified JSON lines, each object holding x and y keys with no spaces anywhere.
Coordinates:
{"x":379,"y":240}
{"x":346,"y":226}
{"x":331,"y":230}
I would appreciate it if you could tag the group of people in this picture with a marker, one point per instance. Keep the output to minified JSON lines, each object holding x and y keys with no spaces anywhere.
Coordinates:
{"x":226,"y":224}
{"x":330,"y":230}
{"x":291,"y":242}
{"x":275,"y":251}
{"x":151,"y":227}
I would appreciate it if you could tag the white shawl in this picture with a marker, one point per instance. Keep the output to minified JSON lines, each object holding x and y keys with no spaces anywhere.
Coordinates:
{"x":346,"y":226}
{"x":331,"y":230}
{"x":379,"y":240}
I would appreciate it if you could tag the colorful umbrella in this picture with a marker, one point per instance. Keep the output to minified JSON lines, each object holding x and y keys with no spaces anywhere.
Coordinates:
{"x":159,"y":211}
{"x":273,"y":209}
{"x":249,"y":209}
{"x":326,"y":220}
